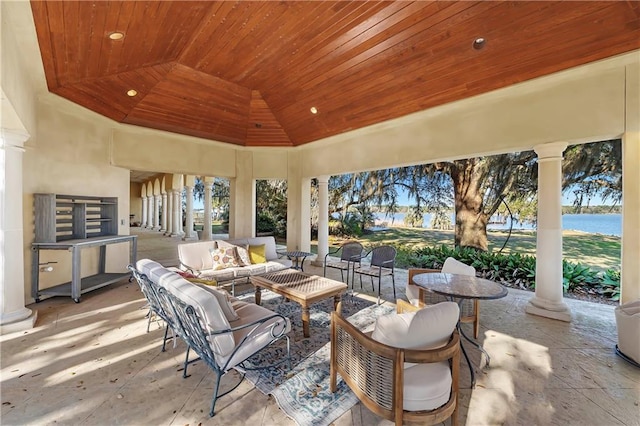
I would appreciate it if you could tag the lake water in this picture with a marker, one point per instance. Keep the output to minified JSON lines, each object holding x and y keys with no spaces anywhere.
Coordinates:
{"x":606,"y":224}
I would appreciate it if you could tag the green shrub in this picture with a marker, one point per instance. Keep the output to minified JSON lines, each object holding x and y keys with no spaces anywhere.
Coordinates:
{"x":513,"y":270}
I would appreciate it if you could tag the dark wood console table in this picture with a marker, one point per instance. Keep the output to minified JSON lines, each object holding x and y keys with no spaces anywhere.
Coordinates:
{"x":78,"y":285}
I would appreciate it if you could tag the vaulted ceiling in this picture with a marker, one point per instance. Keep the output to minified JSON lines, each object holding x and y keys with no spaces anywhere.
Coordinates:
{"x":249,"y":73}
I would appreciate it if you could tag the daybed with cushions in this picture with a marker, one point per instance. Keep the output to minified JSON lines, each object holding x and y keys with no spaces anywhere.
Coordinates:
{"x":226,"y":261}
{"x":222,"y":330}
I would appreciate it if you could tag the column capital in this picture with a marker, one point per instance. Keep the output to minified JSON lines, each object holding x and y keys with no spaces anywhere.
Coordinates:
{"x":13,"y":138}
{"x":323,"y":178}
{"x":550,"y":151}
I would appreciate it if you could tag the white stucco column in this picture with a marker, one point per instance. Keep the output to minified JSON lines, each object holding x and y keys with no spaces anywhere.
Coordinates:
{"x":152,"y":203}
{"x":242,"y":198}
{"x":180,"y":223}
{"x":156,"y":212}
{"x":547,"y":301}
{"x":165,"y":213}
{"x":630,"y":253}
{"x":189,"y":233}
{"x":208,"y":192}
{"x":323,"y":220}
{"x":14,"y":316}
{"x":169,"y":230}
{"x":176,"y":213}
{"x":143,"y":224}
{"x":298,"y":205}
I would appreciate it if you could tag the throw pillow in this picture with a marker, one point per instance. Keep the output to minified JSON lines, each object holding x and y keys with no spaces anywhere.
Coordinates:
{"x":185,"y":274}
{"x":257,"y":254}
{"x":223,"y":300}
{"x":242,"y":255}
{"x":223,"y":257}
{"x":203,"y":281}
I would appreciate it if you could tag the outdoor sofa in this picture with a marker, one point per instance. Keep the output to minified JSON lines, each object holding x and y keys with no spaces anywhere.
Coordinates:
{"x":227,"y":261}
{"x":222,"y":330}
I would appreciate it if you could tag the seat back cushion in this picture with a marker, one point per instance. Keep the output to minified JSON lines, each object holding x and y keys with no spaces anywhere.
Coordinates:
{"x":207,"y":306}
{"x":147,"y":267}
{"x":197,"y":255}
{"x":453,"y":266}
{"x":224,"y":300}
{"x":427,"y":328}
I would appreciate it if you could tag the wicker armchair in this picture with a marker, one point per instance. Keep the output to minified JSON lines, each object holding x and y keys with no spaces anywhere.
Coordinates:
{"x":350,"y":255}
{"x":470,"y":309}
{"x":378,"y":375}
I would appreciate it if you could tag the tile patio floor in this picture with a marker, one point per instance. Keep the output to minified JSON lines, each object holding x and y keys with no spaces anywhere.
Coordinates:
{"x":93,"y":363}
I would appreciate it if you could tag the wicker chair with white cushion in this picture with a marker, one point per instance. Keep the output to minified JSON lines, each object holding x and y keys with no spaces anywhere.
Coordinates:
{"x":407,"y":369}
{"x":470,"y":308}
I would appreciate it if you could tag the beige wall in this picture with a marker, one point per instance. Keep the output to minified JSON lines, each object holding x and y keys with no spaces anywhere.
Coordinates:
{"x":16,"y":75}
{"x":71,"y":156}
{"x":157,"y":151}
{"x":571,"y":107}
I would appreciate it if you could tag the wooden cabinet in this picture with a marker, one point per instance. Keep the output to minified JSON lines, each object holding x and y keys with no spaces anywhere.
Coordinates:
{"x":73,"y":217}
{"x":73,"y":223}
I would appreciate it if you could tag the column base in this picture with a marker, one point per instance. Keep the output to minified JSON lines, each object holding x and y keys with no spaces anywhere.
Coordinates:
{"x":26,"y":321}
{"x":192,"y":237}
{"x":316,"y":262}
{"x":542,"y":308}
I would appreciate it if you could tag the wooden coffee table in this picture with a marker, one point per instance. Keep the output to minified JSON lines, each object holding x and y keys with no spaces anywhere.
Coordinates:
{"x":302,"y":288}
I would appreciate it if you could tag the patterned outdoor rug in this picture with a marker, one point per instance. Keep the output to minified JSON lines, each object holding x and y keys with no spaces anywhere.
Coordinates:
{"x":303,"y":392}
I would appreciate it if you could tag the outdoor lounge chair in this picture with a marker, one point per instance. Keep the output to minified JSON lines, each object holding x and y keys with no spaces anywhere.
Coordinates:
{"x":407,"y":369}
{"x":350,"y":255}
{"x":470,"y":308}
{"x":383,"y":259}
{"x":202,"y":315}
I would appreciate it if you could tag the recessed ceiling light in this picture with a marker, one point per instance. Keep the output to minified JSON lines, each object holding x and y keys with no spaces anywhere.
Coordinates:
{"x":116,"y":35}
{"x":313,"y":110}
{"x":132,"y":92}
{"x":479,"y":43}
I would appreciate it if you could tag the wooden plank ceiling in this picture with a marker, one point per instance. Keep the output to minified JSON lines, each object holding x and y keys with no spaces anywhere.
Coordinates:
{"x":248,"y":73}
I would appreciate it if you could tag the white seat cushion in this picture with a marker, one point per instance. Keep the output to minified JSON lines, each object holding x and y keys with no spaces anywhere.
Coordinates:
{"x":429,"y":328}
{"x":417,"y":396}
{"x":223,"y":300}
{"x":261,"y":337}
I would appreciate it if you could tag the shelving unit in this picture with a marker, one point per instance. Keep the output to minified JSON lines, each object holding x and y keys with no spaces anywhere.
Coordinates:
{"x":74,"y":222}
{"x":74,"y":217}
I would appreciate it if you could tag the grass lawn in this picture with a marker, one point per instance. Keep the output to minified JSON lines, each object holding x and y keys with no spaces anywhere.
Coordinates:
{"x":600,"y":252}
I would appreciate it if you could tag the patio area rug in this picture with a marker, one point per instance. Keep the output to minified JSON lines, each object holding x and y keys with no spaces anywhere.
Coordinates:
{"x":303,"y":392}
